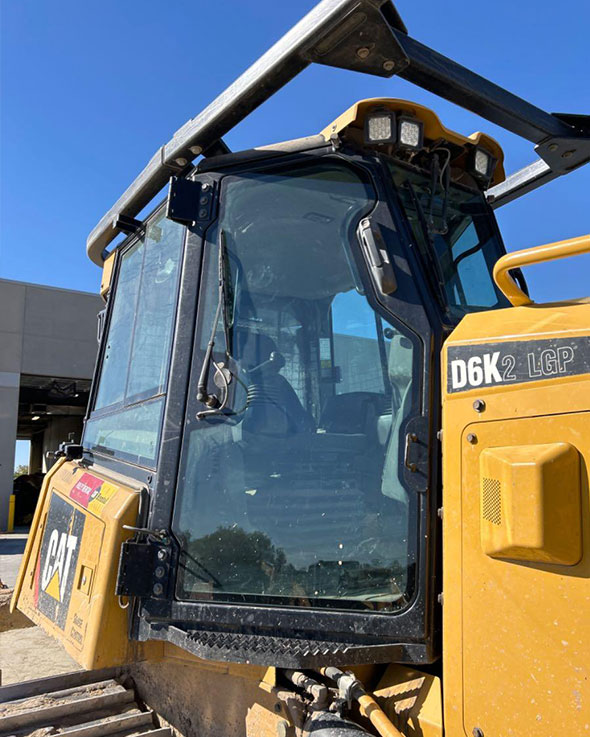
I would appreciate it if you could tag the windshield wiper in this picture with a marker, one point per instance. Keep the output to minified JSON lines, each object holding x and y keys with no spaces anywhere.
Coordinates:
{"x":222,"y":374}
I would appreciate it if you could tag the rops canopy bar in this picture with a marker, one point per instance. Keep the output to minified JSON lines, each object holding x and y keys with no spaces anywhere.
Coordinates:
{"x":367,"y":36}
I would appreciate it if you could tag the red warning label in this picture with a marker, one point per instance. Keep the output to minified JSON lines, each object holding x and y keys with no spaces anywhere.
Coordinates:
{"x":85,"y":489}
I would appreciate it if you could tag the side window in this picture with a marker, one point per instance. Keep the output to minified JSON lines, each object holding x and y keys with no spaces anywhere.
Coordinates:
{"x":127,"y":411}
{"x":474,"y":284}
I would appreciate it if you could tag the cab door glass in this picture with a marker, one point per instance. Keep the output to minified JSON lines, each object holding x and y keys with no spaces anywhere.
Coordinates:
{"x":295,"y":495}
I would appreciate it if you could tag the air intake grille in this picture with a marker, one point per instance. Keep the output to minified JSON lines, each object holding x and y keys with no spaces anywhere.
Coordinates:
{"x":492,"y":501}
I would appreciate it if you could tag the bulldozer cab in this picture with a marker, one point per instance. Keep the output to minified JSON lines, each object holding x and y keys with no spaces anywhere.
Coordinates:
{"x":260,"y":476}
{"x":269,"y":369}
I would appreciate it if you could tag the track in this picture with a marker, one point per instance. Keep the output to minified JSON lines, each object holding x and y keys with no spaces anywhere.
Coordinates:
{"x":85,"y":704}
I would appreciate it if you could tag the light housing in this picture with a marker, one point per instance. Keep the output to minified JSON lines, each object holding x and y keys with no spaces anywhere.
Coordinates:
{"x":380,"y":127}
{"x":410,"y":133}
{"x":482,"y":164}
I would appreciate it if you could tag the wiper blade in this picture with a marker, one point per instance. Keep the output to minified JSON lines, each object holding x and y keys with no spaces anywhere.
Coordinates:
{"x":216,"y":405}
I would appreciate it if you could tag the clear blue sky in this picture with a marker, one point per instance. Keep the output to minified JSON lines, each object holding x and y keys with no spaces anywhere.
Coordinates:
{"x":91,"y":89}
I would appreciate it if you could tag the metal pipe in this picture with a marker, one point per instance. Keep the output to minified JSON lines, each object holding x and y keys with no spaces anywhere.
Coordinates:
{"x":536,"y":255}
{"x":369,"y":708}
{"x":327,"y":35}
{"x":272,"y":71}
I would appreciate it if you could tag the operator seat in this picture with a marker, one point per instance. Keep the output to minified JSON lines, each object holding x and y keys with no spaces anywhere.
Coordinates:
{"x":273,"y":407}
{"x":400,"y":374}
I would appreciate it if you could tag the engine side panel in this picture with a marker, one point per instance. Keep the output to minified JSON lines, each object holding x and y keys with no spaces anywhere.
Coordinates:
{"x":516,"y":639}
{"x":69,"y":570}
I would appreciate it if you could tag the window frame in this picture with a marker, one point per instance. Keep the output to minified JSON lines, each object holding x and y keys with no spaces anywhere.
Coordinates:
{"x":201,"y":338}
{"x":117,"y":457}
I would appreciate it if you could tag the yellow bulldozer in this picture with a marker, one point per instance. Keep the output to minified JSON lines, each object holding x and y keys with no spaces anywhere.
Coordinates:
{"x":333,"y":480}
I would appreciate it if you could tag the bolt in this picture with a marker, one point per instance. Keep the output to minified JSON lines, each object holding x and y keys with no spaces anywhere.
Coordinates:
{"x":441,"y":599}
{"x":472,"y":438}
{"x":181,"y":162}
{"x":204,"y":200}
{"x":205,"y":186}
{"x":196,"y":150}
{"x":388,"y":65}
{"x":567,"y":154}
{"x":162,"y":554}
{"x":479,"y":405}
{"x":477,"y":732}
{"x":202,"y":213}
{"x":282,"y":728}
{"x":553,"y":147}
{"x":439,"y":512}
{"x":363,"y":52}
{"x":160,"y":572}
{"x":158,"y":589}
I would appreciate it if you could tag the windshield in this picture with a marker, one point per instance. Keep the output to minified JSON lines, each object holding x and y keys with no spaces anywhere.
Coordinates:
{"x":296,"y":496}
{"x":457,"y":240}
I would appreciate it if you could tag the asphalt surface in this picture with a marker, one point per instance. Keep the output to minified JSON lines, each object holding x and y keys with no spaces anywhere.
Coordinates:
{"x":12,"y":545}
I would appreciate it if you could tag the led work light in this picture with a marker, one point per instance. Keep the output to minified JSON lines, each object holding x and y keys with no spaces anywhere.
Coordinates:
{"x":380,"y":128}
{"x":482,"y":164}
{"x":410,"y":133}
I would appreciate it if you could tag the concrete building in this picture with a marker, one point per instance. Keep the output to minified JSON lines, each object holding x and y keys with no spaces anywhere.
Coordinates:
{"x":47,"y":354}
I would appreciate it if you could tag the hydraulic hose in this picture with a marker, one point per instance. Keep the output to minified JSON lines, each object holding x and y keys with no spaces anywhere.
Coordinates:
{"x":369,"y":708}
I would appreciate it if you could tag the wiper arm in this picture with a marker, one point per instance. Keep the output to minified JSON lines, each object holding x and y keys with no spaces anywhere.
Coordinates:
{"x":212,"y":400}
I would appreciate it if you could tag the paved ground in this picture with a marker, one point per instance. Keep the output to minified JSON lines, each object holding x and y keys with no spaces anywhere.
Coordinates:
{"x":28,"y":652}
{"x":12,"y":545}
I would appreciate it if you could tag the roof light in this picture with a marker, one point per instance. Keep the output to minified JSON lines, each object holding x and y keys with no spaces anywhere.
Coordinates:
{"x":410,"y":133}
{"x":35,"y":417}
{"x":482,"y":164}
{"x":380,"y":128}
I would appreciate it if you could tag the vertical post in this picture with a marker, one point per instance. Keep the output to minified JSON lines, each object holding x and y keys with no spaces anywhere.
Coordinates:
{"x":10,"y":523}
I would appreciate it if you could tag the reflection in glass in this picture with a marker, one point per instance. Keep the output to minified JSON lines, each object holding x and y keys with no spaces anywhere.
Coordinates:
{"x":298,"y":496}
{"x":462,"y":246}
{"x":137,"y":348}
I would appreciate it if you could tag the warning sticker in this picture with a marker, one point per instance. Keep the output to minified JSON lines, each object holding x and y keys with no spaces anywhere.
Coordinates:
{"x":92,"y":493}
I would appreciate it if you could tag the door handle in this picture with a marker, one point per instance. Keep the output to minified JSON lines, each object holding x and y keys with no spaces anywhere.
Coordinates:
{"x":377,"y":257}
{"x":410,"y":465}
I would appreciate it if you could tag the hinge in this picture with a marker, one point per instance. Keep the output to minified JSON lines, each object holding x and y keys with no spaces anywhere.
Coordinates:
{"x":189,"y":200}
{"x":144,"y":569}
{"x":127,"y":224}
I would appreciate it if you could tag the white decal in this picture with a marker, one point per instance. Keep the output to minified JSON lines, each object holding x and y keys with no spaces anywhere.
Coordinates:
{"x":58,"y":560}
{"x":458,"y":373}
{"x":527,"y":361}
{"x":476,"y":371}
{"x":550,"y":362}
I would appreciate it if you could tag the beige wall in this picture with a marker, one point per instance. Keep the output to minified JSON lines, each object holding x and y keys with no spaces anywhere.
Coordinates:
{"x":45,"y":332}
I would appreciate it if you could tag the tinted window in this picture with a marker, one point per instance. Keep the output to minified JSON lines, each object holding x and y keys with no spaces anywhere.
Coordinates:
{"x":298,"y":496}
{"x":137,"y":347}
{"x":456,"y":238}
